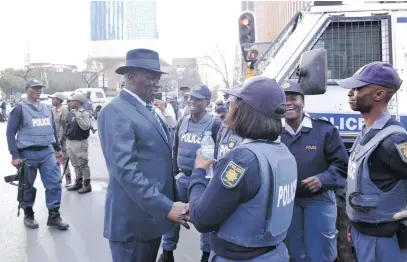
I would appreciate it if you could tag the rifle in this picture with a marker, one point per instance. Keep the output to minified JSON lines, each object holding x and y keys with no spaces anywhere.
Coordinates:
{"x":21,"y":177}
{"x":65,"y":168}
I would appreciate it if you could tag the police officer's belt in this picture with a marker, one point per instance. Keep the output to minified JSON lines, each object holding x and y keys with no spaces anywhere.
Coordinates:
{"x":34,"y":148}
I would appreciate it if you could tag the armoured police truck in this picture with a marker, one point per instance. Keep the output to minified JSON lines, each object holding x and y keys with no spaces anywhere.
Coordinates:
{"x":353,"y":34}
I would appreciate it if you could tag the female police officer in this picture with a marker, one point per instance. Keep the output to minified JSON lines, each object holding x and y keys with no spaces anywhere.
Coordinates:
{"x":321,"y":159}
{"x":247,"y":217}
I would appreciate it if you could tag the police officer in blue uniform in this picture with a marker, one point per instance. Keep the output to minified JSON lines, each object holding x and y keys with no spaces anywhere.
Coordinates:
{"x":321,"y":160}
{"x":377,"y":169}
{"x":188,"y":135}
{"x":36,"y":142}
{"x":248,"y":219}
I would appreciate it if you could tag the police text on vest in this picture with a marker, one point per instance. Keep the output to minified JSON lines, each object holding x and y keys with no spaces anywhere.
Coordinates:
{"x":191,"y":138}
{"x":287,"y":193}
{"x":41,"y":122}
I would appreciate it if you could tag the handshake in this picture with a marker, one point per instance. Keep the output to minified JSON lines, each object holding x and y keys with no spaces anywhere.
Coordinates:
{"x":179,"y":213}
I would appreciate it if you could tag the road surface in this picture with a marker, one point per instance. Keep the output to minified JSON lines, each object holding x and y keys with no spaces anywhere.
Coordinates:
{"x":83,"y":242}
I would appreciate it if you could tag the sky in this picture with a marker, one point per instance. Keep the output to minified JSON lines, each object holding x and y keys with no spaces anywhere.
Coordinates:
{"x":58,"y":31}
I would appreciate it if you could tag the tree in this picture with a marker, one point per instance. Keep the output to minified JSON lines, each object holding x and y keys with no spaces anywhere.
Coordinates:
{"x":92,"y":72}
{"x":219,"y":66}
{"x":25,"y":73}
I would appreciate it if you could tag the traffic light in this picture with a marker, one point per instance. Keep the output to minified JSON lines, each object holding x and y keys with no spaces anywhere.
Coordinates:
{"x":247,"y":28}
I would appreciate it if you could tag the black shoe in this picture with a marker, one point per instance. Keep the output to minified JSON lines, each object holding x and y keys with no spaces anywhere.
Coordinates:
{"x":76,"y":186}
{"x":30,"y":222}
{"x":86,"y":187}
{"x":205,"y":256}
{"x":55,"y":220}
{"x":166,"y":256}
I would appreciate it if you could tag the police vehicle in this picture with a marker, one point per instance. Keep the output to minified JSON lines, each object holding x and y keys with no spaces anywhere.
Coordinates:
{"x":98,"y":97}
{"x":353,"y":33}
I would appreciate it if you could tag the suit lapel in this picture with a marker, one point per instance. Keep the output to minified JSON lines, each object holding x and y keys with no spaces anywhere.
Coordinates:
{"x":147,"y":114}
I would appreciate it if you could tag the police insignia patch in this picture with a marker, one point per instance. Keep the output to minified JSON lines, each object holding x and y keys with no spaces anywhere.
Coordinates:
{"x":232,"y":175}
{"x":197,"y":88}
{"x":286,"y":85}
{"x":402,"y":149}
{"x":232,"y":143}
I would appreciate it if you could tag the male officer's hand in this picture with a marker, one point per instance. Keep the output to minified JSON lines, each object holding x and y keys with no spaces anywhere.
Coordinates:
{"x":60,"y":157}
{"x":179,"y":213}
{"x":313,"y":184}
{"x":202,"y":162}
{"x":16,"y":162}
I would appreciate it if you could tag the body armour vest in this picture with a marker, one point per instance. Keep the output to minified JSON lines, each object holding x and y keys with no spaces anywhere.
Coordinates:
{"x":72,"y":129}
{"x":36,"y":127}
{"x":365,"y":201}
{"x":228,"y":141}
{"x":264,"y":220}
{"x":189,"y":136}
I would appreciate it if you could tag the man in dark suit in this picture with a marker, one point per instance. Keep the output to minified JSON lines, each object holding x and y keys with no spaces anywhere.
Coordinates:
{"x":136,"y":145}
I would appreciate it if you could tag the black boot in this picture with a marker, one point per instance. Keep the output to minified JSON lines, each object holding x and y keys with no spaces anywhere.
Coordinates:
{"x":55,"y":220}
{"x":76,"y":186}
{"x":86,"y":187}
{"x":205,"y":256}
{"x":166,"y":256}
{"x":29,"y":220}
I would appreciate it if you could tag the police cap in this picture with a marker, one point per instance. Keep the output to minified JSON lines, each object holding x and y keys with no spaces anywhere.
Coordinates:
{"x":263,"y":94}
{"x":77,"y":97}
{"x":293,"y":87}
{"x":376,"y":73}
{"x":58,"y":95}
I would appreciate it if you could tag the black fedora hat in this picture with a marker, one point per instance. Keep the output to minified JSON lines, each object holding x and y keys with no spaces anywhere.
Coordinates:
{"x":141,"y":58}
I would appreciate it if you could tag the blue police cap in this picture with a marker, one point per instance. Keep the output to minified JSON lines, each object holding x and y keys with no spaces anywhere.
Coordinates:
{"x":201,"y":92}
{"x":375,"y":73}
{"x":291,"y":86}
{"x":221,"y":109}
{"x":33,"y":83}
{"x":263,"y":94}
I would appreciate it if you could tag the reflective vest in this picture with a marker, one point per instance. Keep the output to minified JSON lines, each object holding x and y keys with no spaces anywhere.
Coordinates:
{"x":365,"y":202}
{"x":228,"y":140}
{"x":264,"y":220}
{"x":72,"y":129}
{"x":189,"y":137}
{"x":36,"y":127}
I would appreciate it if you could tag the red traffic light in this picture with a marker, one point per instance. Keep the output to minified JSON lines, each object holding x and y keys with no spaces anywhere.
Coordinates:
{"x":253,"y":54}
{"x":247,"y":30}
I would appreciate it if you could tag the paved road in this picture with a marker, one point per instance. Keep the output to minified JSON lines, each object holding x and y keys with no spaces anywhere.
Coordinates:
{"x":83,"y":242}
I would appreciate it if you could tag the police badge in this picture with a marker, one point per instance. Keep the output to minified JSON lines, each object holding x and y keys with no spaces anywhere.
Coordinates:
{"x":232,"y":143}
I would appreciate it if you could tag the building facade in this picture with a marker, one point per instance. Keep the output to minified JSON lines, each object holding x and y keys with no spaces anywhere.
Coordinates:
{"x":272,"y":16}
{"x":123,"y":20}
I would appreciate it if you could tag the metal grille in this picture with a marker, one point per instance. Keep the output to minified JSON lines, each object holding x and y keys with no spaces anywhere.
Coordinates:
{"x":352,"y":44}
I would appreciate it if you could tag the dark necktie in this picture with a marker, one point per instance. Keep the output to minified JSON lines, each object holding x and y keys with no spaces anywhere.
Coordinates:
{"x":150,"y":107}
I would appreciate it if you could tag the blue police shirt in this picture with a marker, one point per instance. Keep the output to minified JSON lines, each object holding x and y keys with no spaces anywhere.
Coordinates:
{"x":13,"y":125}
{"x":318,"y":142}
{"x":210,"y":205}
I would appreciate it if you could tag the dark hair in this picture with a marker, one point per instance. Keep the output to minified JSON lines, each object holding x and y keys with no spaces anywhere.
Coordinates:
{"x":247,"y":122}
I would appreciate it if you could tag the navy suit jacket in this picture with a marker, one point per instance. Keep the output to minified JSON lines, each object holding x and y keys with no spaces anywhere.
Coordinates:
{"x":141,"y":186}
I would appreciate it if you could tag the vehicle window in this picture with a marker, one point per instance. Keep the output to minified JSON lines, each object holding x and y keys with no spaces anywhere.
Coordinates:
{"x":353,"y":44}
{"x":99,"y":95}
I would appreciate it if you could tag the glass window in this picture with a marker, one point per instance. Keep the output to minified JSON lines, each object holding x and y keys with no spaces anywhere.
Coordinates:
{"x":352,"y":44}
{"x":99,"y":95}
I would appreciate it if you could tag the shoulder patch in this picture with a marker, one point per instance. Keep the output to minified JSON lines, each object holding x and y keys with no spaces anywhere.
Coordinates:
{"x":232,"y":175}
{"x":232,"y":143}
{"x":402,"y":150}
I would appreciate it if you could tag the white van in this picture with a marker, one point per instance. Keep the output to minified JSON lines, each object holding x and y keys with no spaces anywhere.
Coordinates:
{"x":98,"y":97}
